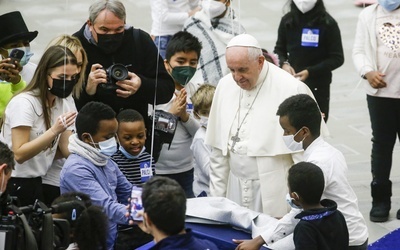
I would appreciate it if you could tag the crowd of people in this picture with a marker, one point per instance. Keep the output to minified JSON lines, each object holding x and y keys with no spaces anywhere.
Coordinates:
{"x":88,"y":123}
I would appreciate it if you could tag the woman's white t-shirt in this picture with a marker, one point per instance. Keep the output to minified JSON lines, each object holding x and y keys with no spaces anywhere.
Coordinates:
{"x":25,"y":109}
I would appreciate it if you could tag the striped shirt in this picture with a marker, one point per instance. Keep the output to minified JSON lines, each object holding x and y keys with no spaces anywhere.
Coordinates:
{"x":138,"y":170}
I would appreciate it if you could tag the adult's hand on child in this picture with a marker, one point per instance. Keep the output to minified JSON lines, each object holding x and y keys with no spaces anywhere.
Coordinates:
{"x":302,"y":75}
{"x":288,"y":68}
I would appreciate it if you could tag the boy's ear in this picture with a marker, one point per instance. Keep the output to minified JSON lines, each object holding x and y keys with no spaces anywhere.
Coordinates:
{"x":86,"y":138}
{"x":167,"y":66}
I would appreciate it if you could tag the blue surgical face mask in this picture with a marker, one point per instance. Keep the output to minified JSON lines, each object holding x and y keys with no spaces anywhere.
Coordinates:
{"x":130,"y":156}
{"x":107,"y":147}
{"x":291,"y":203}
{"x":389,"y":5}
{"x":27,"y":55}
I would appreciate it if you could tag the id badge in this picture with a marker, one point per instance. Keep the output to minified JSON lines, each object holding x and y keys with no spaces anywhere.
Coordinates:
{"x":145,"y":171}
{"x":310,"y":37}
{"x":189,"y":108}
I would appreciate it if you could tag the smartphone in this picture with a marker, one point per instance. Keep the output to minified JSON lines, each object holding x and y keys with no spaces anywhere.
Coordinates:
{"x":15,"y":55}
{"x":136,"y":203}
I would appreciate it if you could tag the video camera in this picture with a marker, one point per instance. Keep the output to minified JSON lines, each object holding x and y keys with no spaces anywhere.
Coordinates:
{"x":33,"y":227}
{"x":116,"y":72}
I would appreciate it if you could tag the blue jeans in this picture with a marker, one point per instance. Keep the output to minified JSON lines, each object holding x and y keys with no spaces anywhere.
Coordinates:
{"x":385,"y":122}
{"x":163,"y":42}
{"x":184,"y":179}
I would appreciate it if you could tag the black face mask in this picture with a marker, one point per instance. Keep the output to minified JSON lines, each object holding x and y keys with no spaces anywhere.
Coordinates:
{"x":109,"y":43}
{"x":62,"y":88}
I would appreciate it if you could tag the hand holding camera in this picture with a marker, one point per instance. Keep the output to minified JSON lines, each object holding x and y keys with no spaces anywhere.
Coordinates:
{"x":115,"y":78}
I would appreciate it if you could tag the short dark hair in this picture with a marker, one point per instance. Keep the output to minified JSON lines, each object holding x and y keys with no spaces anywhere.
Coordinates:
{"x":6,"y":157}
{"x":182,"y":41}
{"x":89,"y":224}
{"x":307,"y":180}
{"x":164,"y":202}
{"x":302,"y":111}
{"x":89,"y":117}
{"x":129,"y":115}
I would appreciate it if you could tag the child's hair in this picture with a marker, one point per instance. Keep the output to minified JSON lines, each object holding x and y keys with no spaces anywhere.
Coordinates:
{"x":74,"y":45}
{"x":89,"y":117}
{"x":182,"y":41}
{"x":6,"y":157}
{"x":129,"y":115}
{"x":164,"y":202}
{"x":307,"y":180}
{"x":302,"y":111}
{"x":89,"y":224}
{"x":202,"y":98}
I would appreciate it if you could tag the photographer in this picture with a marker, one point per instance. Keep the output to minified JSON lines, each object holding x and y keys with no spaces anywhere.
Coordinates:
{"x":107,"y":40}
{"x":6,"y":166}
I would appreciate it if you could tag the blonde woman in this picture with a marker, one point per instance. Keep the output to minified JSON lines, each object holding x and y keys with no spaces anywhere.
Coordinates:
{"x":36,"y":122}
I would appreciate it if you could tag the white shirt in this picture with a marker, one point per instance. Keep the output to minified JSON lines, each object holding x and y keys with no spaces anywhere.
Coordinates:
{"x":169,"y":15}
{"x":337,"y":188}
{"x":201,"y":153}
{"x":26,"y":110}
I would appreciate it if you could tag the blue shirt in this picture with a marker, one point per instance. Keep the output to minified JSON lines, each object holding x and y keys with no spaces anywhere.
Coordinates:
{"x":106,"y":185}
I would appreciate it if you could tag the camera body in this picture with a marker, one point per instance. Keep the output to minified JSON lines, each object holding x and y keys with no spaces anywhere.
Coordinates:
{"x":116,"y":72}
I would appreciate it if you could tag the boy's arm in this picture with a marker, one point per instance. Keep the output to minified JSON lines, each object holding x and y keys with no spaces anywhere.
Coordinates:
{"x":284,"y":227}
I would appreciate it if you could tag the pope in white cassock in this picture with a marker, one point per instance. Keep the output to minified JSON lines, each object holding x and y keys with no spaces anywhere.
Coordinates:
{"x":249,"y":160}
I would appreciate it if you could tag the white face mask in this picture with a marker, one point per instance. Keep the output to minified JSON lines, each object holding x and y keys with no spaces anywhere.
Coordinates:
{"x":291,"y":143}
{"x":107,"y":147}
{"x":203,"y":121}
{"x":290,"y":202}
{"x":213,"y":8}
{"x":305,"y":5}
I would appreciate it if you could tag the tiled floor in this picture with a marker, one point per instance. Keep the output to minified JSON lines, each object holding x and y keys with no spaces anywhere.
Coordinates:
{"x":349,"y":121}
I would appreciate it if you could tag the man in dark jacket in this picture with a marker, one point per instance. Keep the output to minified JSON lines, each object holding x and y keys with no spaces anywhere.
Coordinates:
{"x":107,"y":41}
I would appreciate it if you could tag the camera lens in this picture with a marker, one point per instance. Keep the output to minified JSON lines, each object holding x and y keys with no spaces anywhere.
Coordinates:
{"x":119,"y":72}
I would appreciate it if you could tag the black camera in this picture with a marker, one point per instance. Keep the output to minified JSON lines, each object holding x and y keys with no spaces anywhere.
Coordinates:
{"x":32,"y":227}
{"x":116,"y":72}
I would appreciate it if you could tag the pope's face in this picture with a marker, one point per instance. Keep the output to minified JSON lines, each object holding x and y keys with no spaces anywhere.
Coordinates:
{"x":245,"y":71}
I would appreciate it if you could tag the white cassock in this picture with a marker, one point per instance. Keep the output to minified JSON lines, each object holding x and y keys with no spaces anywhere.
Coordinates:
{"x":254,"y":175}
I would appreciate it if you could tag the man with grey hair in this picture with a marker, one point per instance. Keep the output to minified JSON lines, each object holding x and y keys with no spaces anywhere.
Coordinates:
{"x":249,"y":160}
{"x":111,"y":45}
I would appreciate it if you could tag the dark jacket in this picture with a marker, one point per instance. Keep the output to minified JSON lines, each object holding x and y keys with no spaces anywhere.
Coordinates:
{"x":185,"y":241}
{"x":319,"y":61}
{"x":138,"y":51}
{"x":322,"y":229}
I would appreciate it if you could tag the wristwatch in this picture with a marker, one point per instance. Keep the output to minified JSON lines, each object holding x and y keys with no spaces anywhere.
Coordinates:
{"x":363,"y":76}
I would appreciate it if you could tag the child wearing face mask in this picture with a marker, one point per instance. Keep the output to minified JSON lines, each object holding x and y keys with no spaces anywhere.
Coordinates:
{"x":202,"y":100}
{"x":138,"y":167}
{"x":14,"y":74}
{"x":176,"y":160}
{"x":321,"y":225}
{"x":214,"y":25}
{"x":300,"y":119}
{"x":309,"y":47}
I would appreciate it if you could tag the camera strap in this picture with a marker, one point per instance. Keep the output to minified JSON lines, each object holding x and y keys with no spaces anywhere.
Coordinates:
{"x":30,"y":241}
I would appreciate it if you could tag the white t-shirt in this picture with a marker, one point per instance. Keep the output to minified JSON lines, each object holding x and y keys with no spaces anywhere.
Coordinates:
{"x":26,"y":110}
{"x":169,"y":15}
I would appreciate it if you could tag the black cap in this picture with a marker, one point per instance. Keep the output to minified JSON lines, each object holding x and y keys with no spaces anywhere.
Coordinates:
{"x":13,"y":28}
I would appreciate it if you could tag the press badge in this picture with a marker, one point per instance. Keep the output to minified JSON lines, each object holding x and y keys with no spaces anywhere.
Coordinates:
{"x":145,"y":171}
{"x":310,"y":37}
{"x":189,"y":108}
